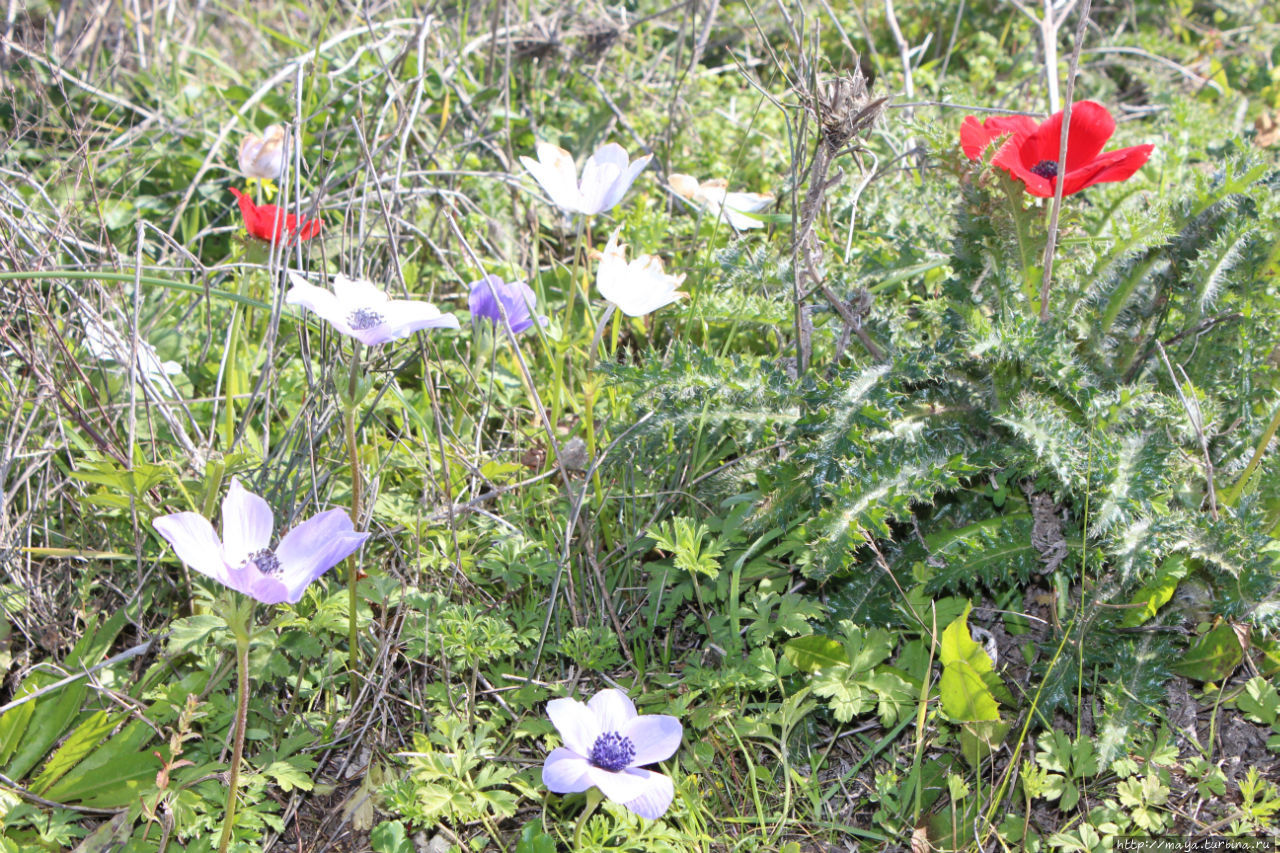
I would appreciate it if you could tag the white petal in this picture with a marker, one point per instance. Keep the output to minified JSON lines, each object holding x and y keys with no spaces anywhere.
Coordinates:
{"x":656,"y":737}
{"x":624,"y":181}
{"x":555,"y":172}
{"x":565,"y":772}
{"x":621,"y":787}
{"x":656,"y":799}
{"x":738,"y":204}
{"x":194,"y":541}
{"x":312,"y":548}
{"x":602,"y":171}
{"x":246,"y":524}
{"x":402,"y":317}
{"x":355,"y":293}
{"x":614,"y":709}
{"x":684,"y":185}
{"x":577,"y":725}
{"x":318,"y":300}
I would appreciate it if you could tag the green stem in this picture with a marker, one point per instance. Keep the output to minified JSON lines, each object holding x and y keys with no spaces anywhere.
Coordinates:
{"x":1233,"y":494}
{"x":241,"y":625}
{"x":593,"y":799}
{"x":1020,"y":228}
{"x":558,"y":377}
{"x":353,"y":456}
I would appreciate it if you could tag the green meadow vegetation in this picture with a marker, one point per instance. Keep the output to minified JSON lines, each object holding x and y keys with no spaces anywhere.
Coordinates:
{"x":920,"y":486}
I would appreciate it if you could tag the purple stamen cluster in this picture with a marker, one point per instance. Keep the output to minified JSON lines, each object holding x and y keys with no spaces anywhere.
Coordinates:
{"x":265,"y":560}
{"x":1046,"y":169}
{"x":364,"y":318}
{"x":612,"y":752}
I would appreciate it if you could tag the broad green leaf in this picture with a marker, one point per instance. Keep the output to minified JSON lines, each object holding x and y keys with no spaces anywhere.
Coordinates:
{"x":965,"y":696}
{"x":1213,"y":657}
{"x":1156,"y":592}
{"x":81,"y":742}
{"x":815,"y":652}
{"x":56,"y":712}
{"x":99,"y":779}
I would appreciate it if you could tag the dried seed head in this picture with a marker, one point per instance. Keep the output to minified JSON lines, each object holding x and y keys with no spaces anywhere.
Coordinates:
{"x":845,"y":109}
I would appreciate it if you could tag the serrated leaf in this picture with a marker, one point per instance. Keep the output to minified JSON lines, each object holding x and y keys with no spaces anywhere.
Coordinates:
{"x":1260,"y":701}
{"x":79,"y":744}
{"x":186,"y":634}
{"x":289,"y":775}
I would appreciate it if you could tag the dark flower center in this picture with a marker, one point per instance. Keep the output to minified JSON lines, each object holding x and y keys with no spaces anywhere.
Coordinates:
{"x":1046,"y":169}
{"x":266,"y":561}
{"x":612,"y":752}
{"x":364,"y":318}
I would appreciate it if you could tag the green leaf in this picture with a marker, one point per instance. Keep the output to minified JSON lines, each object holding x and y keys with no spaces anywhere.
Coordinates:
{"x":1156,"y":592}
{"x":390,"y":837}
{"x":186,"y":634}
{"x":1260,"y":701}
{"x":1213,"y":657}
{"x":291,"y":774}
{"x":815,"y":652}
{"x":966,"y":696}
{"x":534,"y":840}
{"x":81,"y":742}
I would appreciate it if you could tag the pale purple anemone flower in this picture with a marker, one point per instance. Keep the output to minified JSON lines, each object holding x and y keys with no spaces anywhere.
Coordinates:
{"x":517,"y":298}
{"x":606,"y":177}
{"x":605,"y":746}
{"x":363,"y":310}
{"x":243,"y":558}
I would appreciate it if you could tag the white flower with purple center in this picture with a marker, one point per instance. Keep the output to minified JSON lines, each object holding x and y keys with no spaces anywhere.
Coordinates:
{"x":516,"y":298}
{"x":363,"y":310}
{"x":244,"y":559}
{"x":606,"y":745}
{"x":606,"y":177}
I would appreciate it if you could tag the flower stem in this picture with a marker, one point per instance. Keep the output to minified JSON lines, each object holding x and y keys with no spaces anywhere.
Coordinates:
{"x":593,"y":799}
{"x":241,"y":622}
{"x":353,"y":456}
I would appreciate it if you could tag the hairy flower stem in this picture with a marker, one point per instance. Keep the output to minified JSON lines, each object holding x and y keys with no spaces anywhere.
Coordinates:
{"x":353,"y":455}
{"x":558,"y":377}
{"x":241,"y":622}
{"x":593,"y":799}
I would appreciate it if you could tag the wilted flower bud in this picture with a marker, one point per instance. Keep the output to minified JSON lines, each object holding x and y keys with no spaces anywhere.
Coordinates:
{"x":262,"y":157}
{"x":845,"y":108}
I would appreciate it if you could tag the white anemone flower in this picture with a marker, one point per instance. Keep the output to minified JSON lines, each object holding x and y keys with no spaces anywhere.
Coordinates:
{"x":714,"y":195}
{"x":637,"y":288}
{"x":262,"y":157}
{"x":106,"y":344}
{"x":606,"y":177}
{"x":363,"y":310}
{"x":243,"y":558}
{"x":606,"y":745}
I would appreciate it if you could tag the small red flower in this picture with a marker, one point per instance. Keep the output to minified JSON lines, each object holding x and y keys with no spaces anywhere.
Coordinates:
{"x":1030,"y":154}
{"x":264,"y":220}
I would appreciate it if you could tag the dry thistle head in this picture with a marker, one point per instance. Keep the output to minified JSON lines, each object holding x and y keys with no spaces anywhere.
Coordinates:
{"x":845,"y":109}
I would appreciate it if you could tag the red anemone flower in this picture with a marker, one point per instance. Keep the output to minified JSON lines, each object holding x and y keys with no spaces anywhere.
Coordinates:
{"x":264,"y":220}
{"x":1030,"y":154}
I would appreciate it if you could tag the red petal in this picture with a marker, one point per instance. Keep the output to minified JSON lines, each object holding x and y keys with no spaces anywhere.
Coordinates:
{"x":975,"y":136}
{"x":1112,"y":167}
{"x":1010,"y":158}
{"x":1091,"y":127}
{"x":310,"y":228}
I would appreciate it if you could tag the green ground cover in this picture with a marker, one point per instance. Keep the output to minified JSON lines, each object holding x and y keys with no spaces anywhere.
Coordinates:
{"x":918,"y":486}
